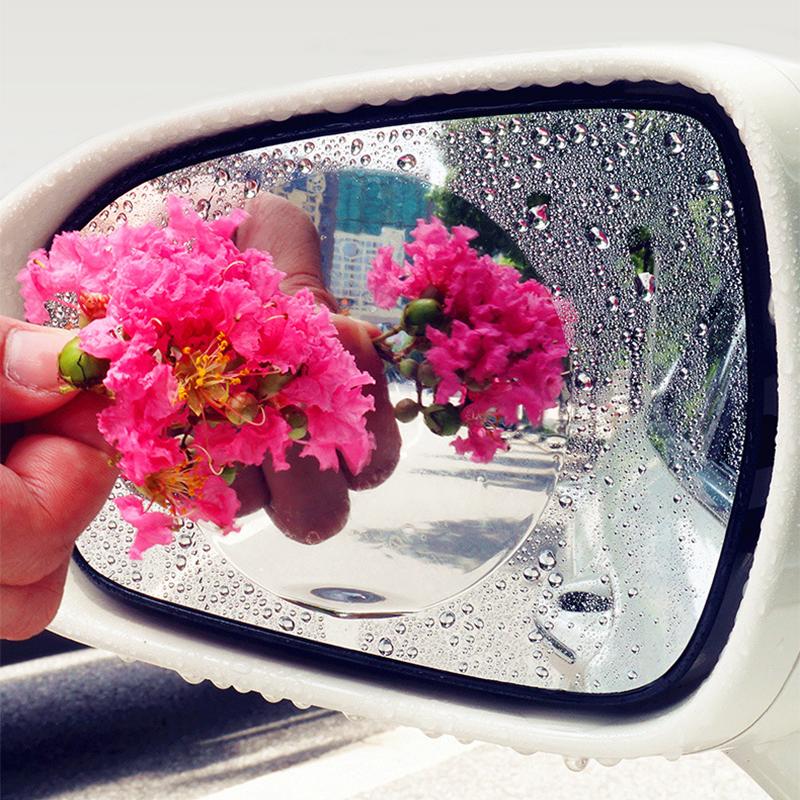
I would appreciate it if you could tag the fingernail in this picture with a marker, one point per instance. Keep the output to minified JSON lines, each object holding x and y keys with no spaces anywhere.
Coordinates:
{"x":31,"y":356}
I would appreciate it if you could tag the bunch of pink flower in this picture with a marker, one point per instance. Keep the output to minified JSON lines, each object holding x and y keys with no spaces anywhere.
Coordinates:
{"x":208,"y":364}
{"x":485,"y":342}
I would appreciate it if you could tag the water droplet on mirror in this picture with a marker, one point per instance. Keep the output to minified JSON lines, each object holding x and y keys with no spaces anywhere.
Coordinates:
{"x":645,"y":286}
{"x":356,"y":146}
{"x":184,"y":184}
{"x":565,"y":501}
{"x":632,"y":592}
{"x":484,"y":135}
{"x":613,"y":191}
{"x":539,"y":218}
{"x":537,"y":162}
{"x":597,"y":238}
{"x":583,"y":381}
{"x":530,"y":573}
{"x":633,"y":675}
{"x":727,"y":209}
{"x":555,"y":579}
{"x":542,"y":672}
{"x":180,"y":562}
{"x":407,"y":162}
{"x":576,"y":764}
{"x":488,"y":194}
{"x":612,"y":303}
{"x":628,"y":119}
{"x":673,"y":142}
{"x":385,"y":647}
{"x":541,"y":135}
{"x":286,"y":623}
{"x":305,"y":166}
{"x":221,"y":177}
{"x":251,"y":188}
{"x":579,"y":132}
{"x":547,"y":559}
{"x":710,"y":180}
{"x":447,"y":619}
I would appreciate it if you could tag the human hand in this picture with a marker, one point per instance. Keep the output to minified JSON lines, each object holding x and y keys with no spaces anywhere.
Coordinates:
{"x":307,"y":503}
{"x":54,"y":477}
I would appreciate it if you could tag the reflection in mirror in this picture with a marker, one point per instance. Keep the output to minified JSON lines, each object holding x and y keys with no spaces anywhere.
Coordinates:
{"x":581,"y":557}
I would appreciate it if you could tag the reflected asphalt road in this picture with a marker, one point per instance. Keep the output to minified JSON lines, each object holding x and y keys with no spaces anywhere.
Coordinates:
{"x":86,"y":725}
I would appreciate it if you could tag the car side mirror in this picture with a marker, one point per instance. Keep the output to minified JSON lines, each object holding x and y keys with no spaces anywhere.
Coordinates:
{"x":630,"y":565}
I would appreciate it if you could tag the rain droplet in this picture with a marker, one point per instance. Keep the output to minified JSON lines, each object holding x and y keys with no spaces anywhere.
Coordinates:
{"x":446,"y":619}
{"x":251,"y":188}
{"x":633,"y":675}
{"x":584,"y":381}
{"x":221,"y":177}
{"x":407,"y":162}
{"x":579,"y":132}
{"x":542,"y":135}
{"x":286,"y":623}
{"x":547,"y":559}
{"x":305,"y":165}
{"x":565,"y":501}
{"x":609,"y":165}
{"x":385,"y":647}
{"x":673,"y":142}
{"x":576,"y":764}
{"x":485,"y":135}
{"x":539,"y":217}
{"x":710,"y":180}
{"x":613,"y":191}
{"x":727,"y":208}
{"x":180,"y":562}
{"x":555,"y":579}
{"x":612,"y":303}
{"x":632,"y":592}
{"x":356,"y":146}
{"x":646,"y":286}
{"x":597,"y":238}
{"x":542,"y":672}
{"x":537,"y":162}
{"x":530,"y":573}
{"x":628,"y":119}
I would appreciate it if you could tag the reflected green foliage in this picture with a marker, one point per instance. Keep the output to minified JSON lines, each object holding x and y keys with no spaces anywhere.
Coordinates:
{"x":492,"y":239}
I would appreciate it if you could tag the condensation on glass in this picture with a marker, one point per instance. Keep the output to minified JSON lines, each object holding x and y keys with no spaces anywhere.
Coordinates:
{"x":582,"y":558}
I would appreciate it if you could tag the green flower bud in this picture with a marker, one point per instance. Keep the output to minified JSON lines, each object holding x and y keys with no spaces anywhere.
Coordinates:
{"x":298,"y":421}
{"x":420,"y":313}
{"x":406,"y":410}
{"x":79,"y":369}
{"x":242,"y":408}
{"x":426,"y":375}
{"x":443,"y":420}
{"x":407,"y":367}
{"x":269,"y":385}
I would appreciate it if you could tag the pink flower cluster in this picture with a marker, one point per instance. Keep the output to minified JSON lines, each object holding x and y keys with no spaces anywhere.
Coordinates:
{"x":499,"y":343}
{"x":210,"y":365}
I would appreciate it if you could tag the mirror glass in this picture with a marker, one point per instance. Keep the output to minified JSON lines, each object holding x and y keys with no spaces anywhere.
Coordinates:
{"x":581,"y":558}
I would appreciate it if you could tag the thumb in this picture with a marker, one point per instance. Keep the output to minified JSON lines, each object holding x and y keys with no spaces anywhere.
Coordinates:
{"x":29,"y":383}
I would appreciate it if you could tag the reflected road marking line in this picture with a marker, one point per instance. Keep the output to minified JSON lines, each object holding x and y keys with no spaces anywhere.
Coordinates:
{"x":358,"y":768}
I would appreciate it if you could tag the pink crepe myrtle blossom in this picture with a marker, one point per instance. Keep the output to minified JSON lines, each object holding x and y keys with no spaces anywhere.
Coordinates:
{"x":210,"y":366}
{"x":490,"y":343}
